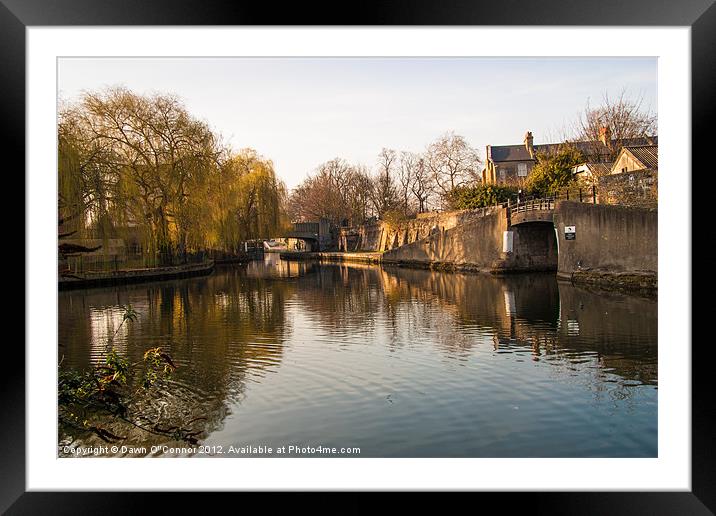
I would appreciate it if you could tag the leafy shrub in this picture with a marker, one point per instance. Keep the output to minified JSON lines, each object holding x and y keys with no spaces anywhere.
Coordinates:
{"x":109,"y":391}
{"x":480,"y":196}
{"x":553,"y":172}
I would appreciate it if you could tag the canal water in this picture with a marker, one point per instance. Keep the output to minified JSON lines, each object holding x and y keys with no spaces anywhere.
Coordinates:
{"x":394,"y":362}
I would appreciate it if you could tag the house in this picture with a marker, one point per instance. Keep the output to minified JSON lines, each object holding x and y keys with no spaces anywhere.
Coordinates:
{"x":512,"y":164}
{"x":590,"y":172}
{"x":636,"y":157}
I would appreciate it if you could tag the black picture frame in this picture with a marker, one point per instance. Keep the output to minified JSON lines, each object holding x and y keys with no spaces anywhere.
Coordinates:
{"x":700,"y":15}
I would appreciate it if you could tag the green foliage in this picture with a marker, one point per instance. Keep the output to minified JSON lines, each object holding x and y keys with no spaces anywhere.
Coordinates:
{"x":118,"y":367}
{"x":129,"y":314}
{"x":88,"y":399}
{"x":480,"y":196}
{"x":141,"y":166}
{"x":158,"y":364}
{"x":553,"y":172}
{"x":84,"y":396}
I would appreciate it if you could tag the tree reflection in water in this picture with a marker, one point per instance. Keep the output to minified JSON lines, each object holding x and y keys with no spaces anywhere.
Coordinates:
{"x":229,"y":332}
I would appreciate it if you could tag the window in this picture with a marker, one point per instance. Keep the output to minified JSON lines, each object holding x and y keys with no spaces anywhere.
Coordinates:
{"x":522,"y":169}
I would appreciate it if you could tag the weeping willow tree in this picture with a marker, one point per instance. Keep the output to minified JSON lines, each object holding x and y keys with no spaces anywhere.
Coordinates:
{"x":86,"y":179}
{"x":251,"y":201}
{"x":141,"y":166}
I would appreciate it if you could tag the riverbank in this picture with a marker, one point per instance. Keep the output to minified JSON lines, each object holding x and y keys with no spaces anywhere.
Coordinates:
{"x":359,"y":257}
{"x":239,"y":259}
{"x":121,"y":277}
{"x":642,"y":282}
{"x":645,"y":283}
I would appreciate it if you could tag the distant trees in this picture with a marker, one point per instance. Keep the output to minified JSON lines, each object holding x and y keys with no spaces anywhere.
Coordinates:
{"x":337,"y":191}
{"x":385,"y":193}
{"x":143,"y":163}
{"x":402,"y":183}
{"x":407,"y":174}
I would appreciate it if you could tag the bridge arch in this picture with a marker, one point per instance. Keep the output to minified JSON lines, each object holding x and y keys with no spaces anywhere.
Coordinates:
{"x":310,"y":240}
{"x":536,"y":210}
{"x":534,"y":241}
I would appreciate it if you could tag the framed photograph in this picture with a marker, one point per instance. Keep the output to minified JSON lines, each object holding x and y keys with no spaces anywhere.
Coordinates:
{"x":426,"y":251}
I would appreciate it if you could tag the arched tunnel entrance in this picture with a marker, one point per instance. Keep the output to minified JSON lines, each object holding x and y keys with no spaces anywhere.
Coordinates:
{"x":534,"y":245}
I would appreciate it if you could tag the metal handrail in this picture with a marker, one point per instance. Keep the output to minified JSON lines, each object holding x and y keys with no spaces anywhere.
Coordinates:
{"x":580,"y":194}
{"x":544,"y":204}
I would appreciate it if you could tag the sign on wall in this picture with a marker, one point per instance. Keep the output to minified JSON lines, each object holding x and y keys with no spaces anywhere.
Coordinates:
{"x":507,"y":241}
{"x":570,"y":232}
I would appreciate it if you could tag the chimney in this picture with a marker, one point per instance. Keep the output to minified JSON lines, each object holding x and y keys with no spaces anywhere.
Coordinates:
{"x":528,"y":144}
{"x":605,"y":136}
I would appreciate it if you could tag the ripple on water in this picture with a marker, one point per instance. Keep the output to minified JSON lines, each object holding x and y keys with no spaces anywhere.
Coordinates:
{"x":400,"y":363}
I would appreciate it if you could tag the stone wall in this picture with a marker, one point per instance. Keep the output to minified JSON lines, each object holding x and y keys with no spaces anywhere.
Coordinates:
{"x":637,"y":188}
{"x":612,"y":244}
{"x":476,"y":243}
{"x":381,"y":235}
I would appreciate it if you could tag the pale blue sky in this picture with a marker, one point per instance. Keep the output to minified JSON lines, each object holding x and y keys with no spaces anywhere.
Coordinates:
{"x":300,"y":112}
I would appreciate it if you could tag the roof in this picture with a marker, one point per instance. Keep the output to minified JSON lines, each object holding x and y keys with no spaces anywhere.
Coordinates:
{"x":501,"y":153}
{"x":518,"y":152}
{"x":509,"y":153}
{"x":648,"y":155}
{"x":598,"y":169}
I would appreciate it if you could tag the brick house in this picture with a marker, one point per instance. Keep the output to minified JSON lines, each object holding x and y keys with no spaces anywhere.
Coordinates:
{"x":512,"y":164}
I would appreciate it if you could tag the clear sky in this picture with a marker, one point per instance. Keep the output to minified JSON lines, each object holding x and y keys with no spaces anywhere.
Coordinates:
{"x":300,"y":112}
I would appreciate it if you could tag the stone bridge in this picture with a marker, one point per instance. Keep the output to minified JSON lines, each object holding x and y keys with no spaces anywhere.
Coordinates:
{"x":581,"y":240}
{"x":510,"y":237}
{"x":302,"y":235}
{"x":536,"y":210}
{"x":316,"y":235}
{"x":577,"y":239}
{"x":507,"y":236}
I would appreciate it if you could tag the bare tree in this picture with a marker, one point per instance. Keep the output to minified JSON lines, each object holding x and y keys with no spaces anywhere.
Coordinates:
{"x":452,"y":163}
{"x":359,"y":195}
{"x":406,"y":177}
{"x":615,"y":121}
{"x":385,"y":192}
{"x":337,"y":191}
{"x":422,"y":184}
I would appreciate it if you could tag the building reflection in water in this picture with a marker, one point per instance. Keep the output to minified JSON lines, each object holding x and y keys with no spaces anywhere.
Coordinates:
{"x":230,"y":332}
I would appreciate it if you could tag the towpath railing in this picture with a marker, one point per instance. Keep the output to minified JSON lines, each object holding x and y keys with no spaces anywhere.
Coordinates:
{"x":588,"y":194}
{"x":545,"y":204}
{"x":578,"y":194}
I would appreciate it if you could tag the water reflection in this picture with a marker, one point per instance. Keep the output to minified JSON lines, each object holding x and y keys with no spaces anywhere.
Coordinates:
{"x":400,"y":362}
